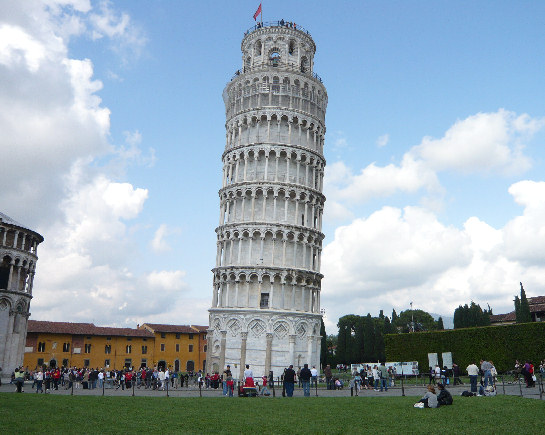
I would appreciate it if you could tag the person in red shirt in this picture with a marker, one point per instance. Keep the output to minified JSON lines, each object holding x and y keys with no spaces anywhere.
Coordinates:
{"x":264,"y":389}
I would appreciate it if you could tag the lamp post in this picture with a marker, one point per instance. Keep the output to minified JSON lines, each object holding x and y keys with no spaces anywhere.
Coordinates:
{"x":412,"y":317}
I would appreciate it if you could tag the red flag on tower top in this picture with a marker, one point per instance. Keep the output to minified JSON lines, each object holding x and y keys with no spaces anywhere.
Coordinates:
{"x":257,"y":12}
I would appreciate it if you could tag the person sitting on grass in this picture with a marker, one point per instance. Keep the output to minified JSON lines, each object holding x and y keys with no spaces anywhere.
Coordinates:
{"x":444,"y":397}
{"x":429,"y":399}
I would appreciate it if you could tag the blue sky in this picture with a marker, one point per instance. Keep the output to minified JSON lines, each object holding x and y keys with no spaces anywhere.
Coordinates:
{"x":114,"y":128}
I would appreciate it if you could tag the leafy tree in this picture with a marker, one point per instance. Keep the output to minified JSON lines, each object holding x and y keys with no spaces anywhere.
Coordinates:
{"x":423,"y":321}
{"x":394,"y":317}
{"x":472,"y":315}
{"x":369,"y":339}
{"x":440,"y":324}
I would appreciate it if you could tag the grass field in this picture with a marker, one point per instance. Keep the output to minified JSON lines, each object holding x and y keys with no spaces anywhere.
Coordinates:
{"x":31,"y":413}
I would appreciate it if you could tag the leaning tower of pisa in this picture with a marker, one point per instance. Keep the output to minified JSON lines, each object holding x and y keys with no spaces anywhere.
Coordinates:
{"x":266,"y":301}
{"x":18,"y":257}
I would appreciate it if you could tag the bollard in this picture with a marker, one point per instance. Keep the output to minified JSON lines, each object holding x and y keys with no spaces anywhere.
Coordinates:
{"x":132,"y":388}
{"x":351,"y":391}
{"x":72,"y":392}
{"x":520,"y":387}
{"x":316,"y":386}
{"x":274,"y":392}
{"x":102,"y":387}
{"x":167,"y":388}
{"x":402,"y":388}
{"x":503,"y":384}
{"x":200,"y":389}
{"x":540,"y":387}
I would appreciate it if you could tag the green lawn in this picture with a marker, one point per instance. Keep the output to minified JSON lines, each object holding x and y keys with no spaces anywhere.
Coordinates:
{"x":31,"y":413}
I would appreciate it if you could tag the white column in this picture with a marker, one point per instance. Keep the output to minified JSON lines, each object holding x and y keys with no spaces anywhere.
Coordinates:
{"x":240,"y":238}
{"x":236,"y":294}
{"x":266,"y":167}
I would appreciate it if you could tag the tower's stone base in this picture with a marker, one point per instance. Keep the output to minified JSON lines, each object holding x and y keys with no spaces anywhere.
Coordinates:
{"x":265,"y":339}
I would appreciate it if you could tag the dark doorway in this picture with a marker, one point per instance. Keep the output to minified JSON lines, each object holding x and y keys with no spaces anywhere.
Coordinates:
{"x":53,"y":363}
{"x":190,"y":366}
{"x":161,"y":365}
{"x":177,"y":366}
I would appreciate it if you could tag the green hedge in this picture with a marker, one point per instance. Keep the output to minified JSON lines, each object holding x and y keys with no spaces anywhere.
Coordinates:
{"x":500,"y":344}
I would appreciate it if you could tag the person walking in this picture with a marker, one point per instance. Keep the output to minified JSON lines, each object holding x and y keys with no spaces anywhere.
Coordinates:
{"x":304,"y":377}
{"x":289,"y":380}
{"x":383,"y":372}
{"x":456,"y":374}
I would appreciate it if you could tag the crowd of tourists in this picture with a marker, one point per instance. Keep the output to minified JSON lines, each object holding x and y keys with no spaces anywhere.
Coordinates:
{"x":45,"y":380}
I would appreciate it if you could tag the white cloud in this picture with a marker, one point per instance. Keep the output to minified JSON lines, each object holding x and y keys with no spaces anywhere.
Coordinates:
{"x":397,"y":256}
{"x":481,"y":143}
{"x":525,"y":235}
{"x":374,"y":181}
{"x":126,"y":38}
{"x":158,"y":243}
{"x":64,"y":174}
{"x":166,"y":280}
{"x":383,"y":140}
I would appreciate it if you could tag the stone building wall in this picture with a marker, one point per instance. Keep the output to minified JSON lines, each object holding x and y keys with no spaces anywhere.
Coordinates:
{"x":18,"y":257}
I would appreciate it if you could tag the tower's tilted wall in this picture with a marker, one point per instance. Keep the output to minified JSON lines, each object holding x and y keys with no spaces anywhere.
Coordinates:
{"x":266,"y":302}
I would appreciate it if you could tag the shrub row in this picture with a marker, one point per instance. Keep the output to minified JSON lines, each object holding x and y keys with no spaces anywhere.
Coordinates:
{"x":500,"y":344}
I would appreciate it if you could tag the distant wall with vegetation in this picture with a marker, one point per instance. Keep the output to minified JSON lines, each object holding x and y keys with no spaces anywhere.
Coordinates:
{"x":500,"y":344}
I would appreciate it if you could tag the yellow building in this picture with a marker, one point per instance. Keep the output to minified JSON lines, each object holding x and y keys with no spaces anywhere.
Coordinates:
{"x":179,"y":347}
{"x":87,"y":345}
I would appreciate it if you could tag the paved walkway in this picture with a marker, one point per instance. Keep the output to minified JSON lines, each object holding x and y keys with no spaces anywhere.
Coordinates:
{"x":510,"y":389}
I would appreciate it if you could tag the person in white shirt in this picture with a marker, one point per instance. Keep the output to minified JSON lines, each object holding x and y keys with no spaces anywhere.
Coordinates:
{"x":473,"y":372}
{"x":39,"y":377}
{"x":314,"y":376}
{"x":162,"y":379}
{"x":248,"y":372}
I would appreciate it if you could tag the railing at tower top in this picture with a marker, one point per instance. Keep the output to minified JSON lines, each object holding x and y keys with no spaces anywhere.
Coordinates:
{"x":280,"y":23}
{"x":274,"y":63}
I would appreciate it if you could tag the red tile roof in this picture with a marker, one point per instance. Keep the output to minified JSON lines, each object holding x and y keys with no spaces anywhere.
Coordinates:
{"x":40,"y":326}
{"x":183,"y":329}
{"x":536,"y":305}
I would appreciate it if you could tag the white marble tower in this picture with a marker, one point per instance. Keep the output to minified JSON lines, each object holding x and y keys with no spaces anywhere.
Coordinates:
{"x":266,"y":301}
{"x":18,"y":257}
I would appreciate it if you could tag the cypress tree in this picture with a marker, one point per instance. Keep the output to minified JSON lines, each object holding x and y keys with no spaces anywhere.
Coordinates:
{"x":440,"y":325}
{"x":517,"y":309}
{"x":525,"y":315}
{"x":323,"y":350}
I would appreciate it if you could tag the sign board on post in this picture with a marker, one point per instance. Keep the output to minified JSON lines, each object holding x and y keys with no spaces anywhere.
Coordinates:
{"x":433,"y":360}
{"x":447,"y":359}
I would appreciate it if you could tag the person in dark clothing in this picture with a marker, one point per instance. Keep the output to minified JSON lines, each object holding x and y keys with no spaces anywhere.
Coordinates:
{"x":456,"y":374}
{"x":304,"y":377}
{"x":289,"y":380}
{"x":444,"y":397}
